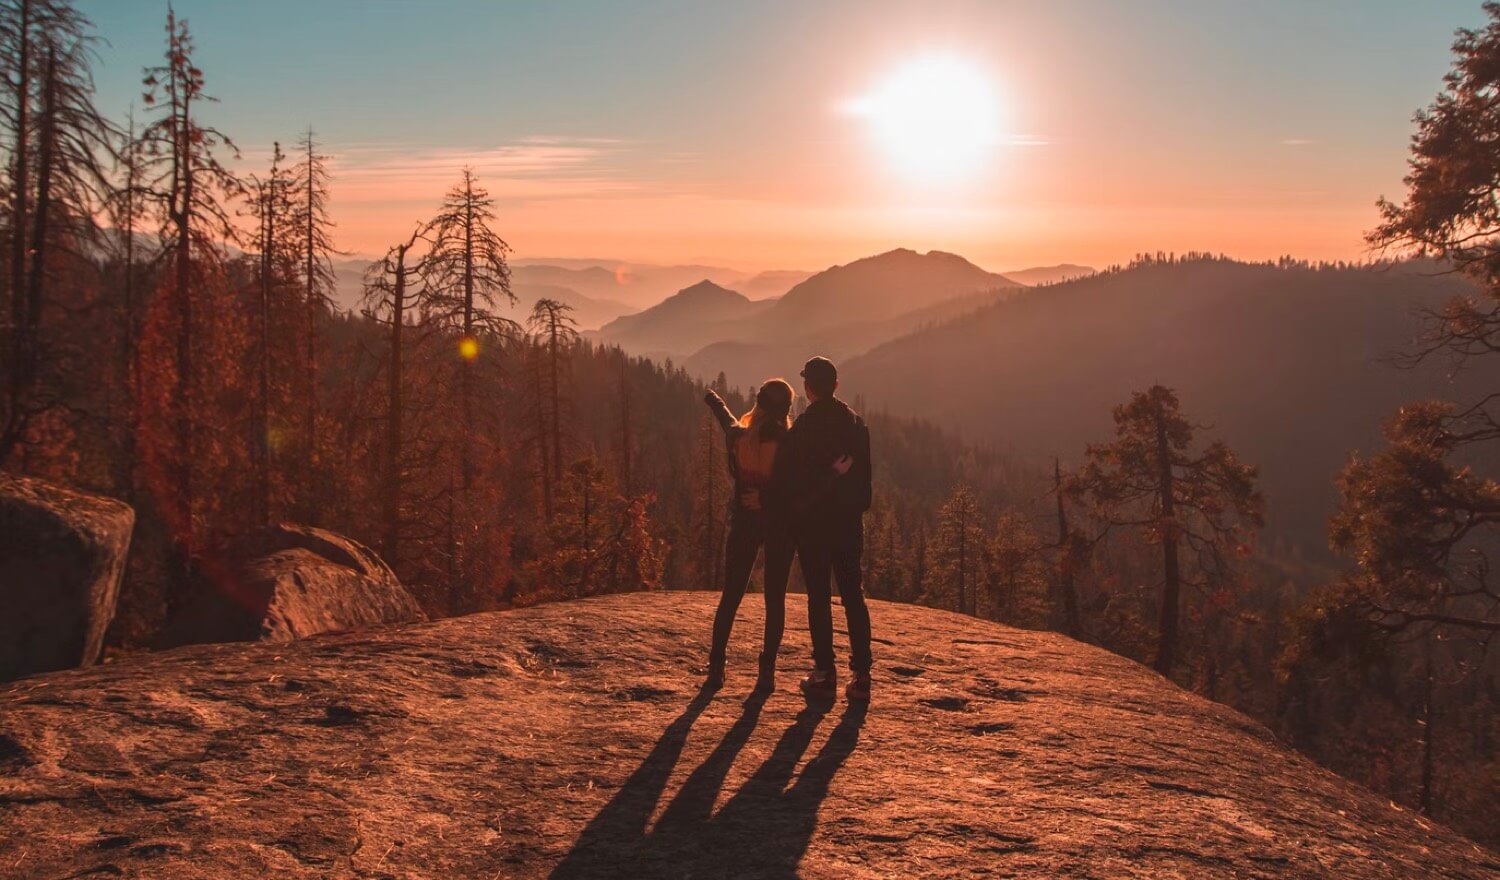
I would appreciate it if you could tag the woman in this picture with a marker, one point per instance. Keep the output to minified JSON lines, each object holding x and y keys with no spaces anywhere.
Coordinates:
{"x":752,"y":441}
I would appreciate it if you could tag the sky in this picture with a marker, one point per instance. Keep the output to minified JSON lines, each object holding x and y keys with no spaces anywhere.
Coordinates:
{"x":797,"y":134}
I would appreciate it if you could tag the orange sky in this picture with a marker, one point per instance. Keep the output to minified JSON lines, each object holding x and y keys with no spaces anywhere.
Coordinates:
{"x":743,"y":135}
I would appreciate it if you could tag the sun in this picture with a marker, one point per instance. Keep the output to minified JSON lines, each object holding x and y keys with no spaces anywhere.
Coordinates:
{"x":937,"y":117}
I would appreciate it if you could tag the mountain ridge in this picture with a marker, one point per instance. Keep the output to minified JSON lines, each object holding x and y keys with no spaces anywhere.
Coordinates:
{"x":1040,"y":372}
{"x":838,"y":312}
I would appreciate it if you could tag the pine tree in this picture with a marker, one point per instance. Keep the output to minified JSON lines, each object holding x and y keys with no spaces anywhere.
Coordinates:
{"x":710,"y":502}
{"x":555,"y":332}
{"x":1071,"y":549}
{"x":601,"y":541}
{"x":627,"y":425}
{"x":957,"y":549}
{"x":1150,"y":479}
{"x":469,"y":276}
{"x":1416,"y":520}
{"x":311,"y":231}
{"x":1016,"y":580}
{"x":887,"y":566}
{"x":536,"y":367}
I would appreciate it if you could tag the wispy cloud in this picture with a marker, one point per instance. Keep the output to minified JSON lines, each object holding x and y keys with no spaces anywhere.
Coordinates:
{"x":534,"y":168}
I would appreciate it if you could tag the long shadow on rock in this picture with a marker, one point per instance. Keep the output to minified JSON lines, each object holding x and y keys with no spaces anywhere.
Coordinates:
{"x":624,"y":818}
{"x":763,"y":830}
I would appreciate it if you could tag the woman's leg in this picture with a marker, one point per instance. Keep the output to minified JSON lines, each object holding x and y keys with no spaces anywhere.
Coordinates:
{"x":779,"y":552}
{"x":739,"y":558}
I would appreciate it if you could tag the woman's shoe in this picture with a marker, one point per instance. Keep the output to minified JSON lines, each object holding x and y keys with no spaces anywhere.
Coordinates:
{"x":821,"y":684}
{"x":858,"y":690}
{"x":766,"y":679}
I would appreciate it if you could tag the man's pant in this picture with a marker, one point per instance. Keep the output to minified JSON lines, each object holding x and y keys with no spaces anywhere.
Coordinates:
{"x":828,"y":551}
{"x":748,"y":531}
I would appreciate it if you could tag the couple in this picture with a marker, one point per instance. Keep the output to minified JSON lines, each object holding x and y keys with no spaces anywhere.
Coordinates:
{"x":800,"y":488}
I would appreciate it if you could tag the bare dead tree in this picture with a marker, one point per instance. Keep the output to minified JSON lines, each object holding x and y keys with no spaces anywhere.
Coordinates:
{"x":393,"y":293}
{"x":191,"y":187}
{"x":274,"y":239}
{"x":309,"y":197}
{"x":59,"y":183}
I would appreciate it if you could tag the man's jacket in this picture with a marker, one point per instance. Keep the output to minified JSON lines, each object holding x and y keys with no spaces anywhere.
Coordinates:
{"x":805,"y":485}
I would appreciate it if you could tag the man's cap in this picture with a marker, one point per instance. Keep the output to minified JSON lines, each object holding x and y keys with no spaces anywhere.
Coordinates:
{"x":820,"y":369}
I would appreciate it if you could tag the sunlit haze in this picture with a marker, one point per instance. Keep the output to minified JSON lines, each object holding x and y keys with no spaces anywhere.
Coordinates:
{"x":795,"y":135}
{"x":937,"y":117}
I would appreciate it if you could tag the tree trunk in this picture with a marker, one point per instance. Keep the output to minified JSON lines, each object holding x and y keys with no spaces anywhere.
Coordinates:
{"x":710,"y":546}
{"x":1424,"y":803}
{"x":182,"y":392}
{"x":1066,"y":559}
{"x":588,"y":538}
{"x":41,"y":217}
{"x":130,"y":326}
{"x":542,"y":445}
{"x":391,"y":494}
{"x":262,"y":445}
{"x":963,"y":560}
{"x":10,"y":436}
{"x":310,"y":416}
{"x":1166,"y":646}
{"x":465,"y":366}
{"x":625,"y":427}
{"x":556,"y":367}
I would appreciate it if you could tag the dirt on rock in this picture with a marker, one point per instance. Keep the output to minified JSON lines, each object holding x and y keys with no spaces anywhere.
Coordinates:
{"x":571,"y":740}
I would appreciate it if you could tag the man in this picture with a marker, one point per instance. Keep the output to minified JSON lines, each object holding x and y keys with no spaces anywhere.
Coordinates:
{"x":827,"y":521}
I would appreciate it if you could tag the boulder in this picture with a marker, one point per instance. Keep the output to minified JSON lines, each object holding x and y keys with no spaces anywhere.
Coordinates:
{"x":289,"y":582}
{"x":62,"y":555}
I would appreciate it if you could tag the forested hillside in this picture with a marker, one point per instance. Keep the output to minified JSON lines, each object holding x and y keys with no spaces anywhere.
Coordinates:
{"x":1289,"y":363}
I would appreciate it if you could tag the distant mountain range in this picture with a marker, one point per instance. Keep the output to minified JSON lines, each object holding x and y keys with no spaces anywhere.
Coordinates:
{"x":1285,"y":364}
{"x":603,"y":290}
{"x":838,"y":312}
{"x":598,"y":290}
{"x":642,"y":285}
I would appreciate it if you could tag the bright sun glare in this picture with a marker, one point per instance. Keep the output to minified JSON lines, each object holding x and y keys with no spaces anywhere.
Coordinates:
{"x":937,"y":117}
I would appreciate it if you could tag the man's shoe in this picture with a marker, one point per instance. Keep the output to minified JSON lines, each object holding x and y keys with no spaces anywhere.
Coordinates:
{"x":858,"y":690}
{"x":821,"y":684}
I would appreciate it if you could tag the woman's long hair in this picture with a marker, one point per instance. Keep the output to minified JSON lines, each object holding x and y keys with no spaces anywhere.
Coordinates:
{"x":772,"y":413}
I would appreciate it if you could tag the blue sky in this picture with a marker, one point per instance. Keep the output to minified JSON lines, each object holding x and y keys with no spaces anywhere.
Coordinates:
{"x":711,"y":130}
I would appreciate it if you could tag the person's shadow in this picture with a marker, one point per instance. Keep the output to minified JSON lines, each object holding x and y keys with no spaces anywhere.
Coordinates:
{"x":763,"y":830}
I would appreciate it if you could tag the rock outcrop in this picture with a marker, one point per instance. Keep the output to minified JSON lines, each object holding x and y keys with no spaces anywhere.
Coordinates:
{"x":290,"y":582}
{"x":571,"y":740}
{"x":62,"y":555}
